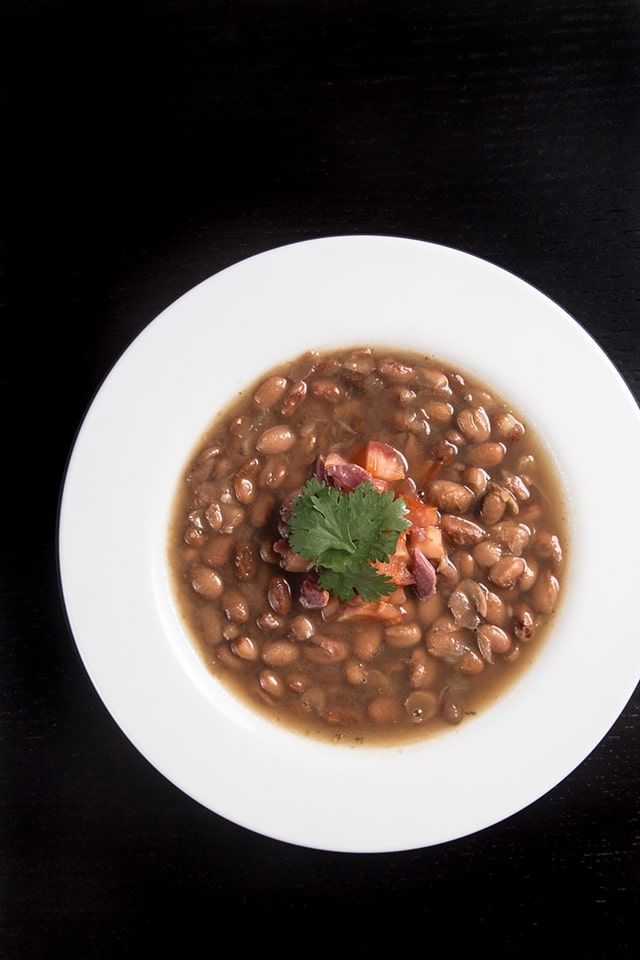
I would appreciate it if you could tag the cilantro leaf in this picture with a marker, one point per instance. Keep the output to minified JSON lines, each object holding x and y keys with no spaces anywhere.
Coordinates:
{"x":366,"y":583}
{"x":343,"y":534}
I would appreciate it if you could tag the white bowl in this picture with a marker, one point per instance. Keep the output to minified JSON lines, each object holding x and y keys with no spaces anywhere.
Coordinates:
{"x":122,"y":476}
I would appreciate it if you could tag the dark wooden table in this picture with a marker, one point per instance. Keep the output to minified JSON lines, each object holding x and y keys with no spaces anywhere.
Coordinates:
{"x":150,"y":144}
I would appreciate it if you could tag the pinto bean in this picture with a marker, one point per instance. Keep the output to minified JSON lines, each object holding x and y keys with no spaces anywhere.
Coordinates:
{"x":241,"y":427}
{"x":301,"y":628}
{"x":435,"y":380}
{"x":195,"y":534}
{"x":507,"y":571}
{"x":524,"y":621}
{"x":545,"y":592}
{"x":385,"y":710}
{"x":511,"y":502}
{"x":492,"y":507}
{"x":245,"y":560}
{"x":260,"y":510}
{"x":206,"y":582}
{"x":470,"y":663}
{"x":204,"y":466}
{"x":271,"y":683}
{"x":359,"y":361}
{"x":368,"y":640}
{"x":430,"y":609}
{"x":327,"y":390}
{"x":273,"y":474}
{"x":404,"y":420}
{"x":267,"y":553}
{"x":217,"y":550}
{"x":447,"y":573}
{"x":245,"y":648}
{"x":249,"y":467}
{"x":462,"y":531}
{"x":449,"y":496}
{"x":497,"y":611}
{"x":492,"y":639}
{"x":423,"y":669}
{"x":279,"y":595}
{"x":531,"y":513}
{"x":280,"y":653}
{"x":307,"y":447}
{"x":403,"y":634}
{"x":244,"y":489}
{"x":341,"y":714}
{"x":293,"y":398}
{"x":231,"y":631}
{"x":530,"y":574}
{"x":479,"y":397}
{"x":457,"y":439}
{"x":512,"y":536}
{"x":206,"y":492}
{"x":235,"y":606}
{"x":439,"y":410}
{"x":516,"y":485}
{"x":468,"y":603}
{"x":476,"y":479}
{"x":326,"y":650}
{"x":507,"y":429}
{"x":297,"y":682}
{"x":445,"y":639}
{"x":276,"y":439}
{"x":313,"y":699}
{"x":396,"y":371}
{"x":486,"y":553}
{"x":270,"y":391}
{"x":225,"y":656}
{"x":421,"y":705}
{"x":356,"y":672}
{"x":327,"y":366}
{"x":292,"y":562}
{"x":475,"y":424}
{"x":268,"y":621}
{"x":232,"y":517}
{"x":512,"y":655}
{"x":485,"y":455}
{"x":304,"y":366}
{"x":451,"y":705}
{"x":213,"y":516}
{"x":499,"y":639}
{"x":420,"y":427}
{"x":465,"y":564}
{"x":405,"y":395}
{"x":547,"y":546}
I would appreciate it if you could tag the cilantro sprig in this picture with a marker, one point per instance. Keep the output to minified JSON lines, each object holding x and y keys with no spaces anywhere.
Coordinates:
{"x":343,"y":534}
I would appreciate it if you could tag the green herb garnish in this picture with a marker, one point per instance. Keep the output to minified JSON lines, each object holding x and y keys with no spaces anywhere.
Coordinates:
{"x":343,"y":534}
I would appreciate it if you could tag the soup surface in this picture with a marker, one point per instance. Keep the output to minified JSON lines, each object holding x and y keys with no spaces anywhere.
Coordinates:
{"x":368,"y":546}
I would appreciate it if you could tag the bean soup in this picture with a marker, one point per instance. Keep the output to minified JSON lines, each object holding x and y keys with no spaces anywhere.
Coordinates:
{"x":368,"y":546}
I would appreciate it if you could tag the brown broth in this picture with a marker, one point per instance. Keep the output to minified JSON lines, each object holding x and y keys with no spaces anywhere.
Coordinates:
{"x":497,"y":548}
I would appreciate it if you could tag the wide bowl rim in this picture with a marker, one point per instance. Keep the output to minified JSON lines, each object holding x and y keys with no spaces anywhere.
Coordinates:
{"x":277,"y":783}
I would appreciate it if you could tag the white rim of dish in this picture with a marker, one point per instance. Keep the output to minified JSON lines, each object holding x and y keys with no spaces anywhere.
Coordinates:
{"x":116,"y":500}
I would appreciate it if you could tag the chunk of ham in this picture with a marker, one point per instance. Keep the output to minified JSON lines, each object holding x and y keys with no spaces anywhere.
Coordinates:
{"x":424,"y":573}
{"x":347,"y":476}
{"x":312,"y":596}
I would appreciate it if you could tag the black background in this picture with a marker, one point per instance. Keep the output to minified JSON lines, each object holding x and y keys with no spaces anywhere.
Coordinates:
{"x":146,"y":146}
